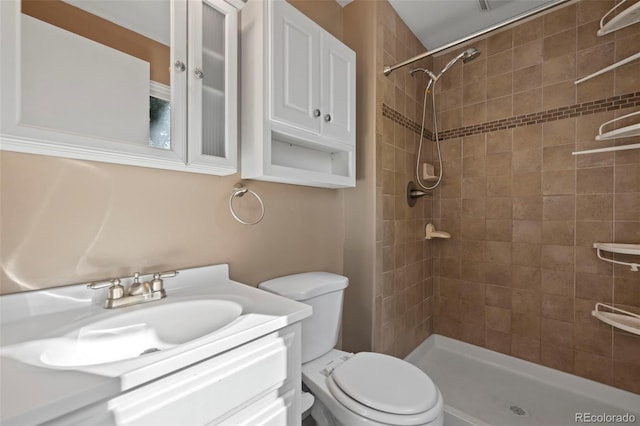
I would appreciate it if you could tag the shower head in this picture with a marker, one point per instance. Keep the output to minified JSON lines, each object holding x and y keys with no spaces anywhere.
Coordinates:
{"x":470,"y":54}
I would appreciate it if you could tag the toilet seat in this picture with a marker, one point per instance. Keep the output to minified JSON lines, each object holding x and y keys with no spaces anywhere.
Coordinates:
{"x":385,"y":389}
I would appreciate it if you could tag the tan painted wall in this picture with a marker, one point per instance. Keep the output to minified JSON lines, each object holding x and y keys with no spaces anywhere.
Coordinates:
{"x":326,"y":13}
{"x":360,"y":202}
{"x":69,"y":221}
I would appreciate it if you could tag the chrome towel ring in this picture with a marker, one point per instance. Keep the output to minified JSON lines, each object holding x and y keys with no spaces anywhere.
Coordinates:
{"x":238,"y":191}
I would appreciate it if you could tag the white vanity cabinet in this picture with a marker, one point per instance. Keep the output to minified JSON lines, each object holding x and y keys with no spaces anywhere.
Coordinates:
{"x":101,"y":103}
{"x":254,"y":384}
{"x":298,"y":99}
{"x":235,"y":359}
{"x":251,"y":385}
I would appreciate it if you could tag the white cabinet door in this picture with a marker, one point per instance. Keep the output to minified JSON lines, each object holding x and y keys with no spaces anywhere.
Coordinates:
{"x":242,"y":383}
{"x":212,"y":82}
{"x":295,"y":76}
{"x":121,"y":116}
{"x":338,"y":90}
{"x":296,"y":69}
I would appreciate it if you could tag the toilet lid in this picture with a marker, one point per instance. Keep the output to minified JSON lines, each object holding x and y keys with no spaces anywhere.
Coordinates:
{"x":385,"y":383}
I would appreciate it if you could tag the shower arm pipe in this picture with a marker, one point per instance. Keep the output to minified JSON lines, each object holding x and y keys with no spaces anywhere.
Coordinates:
{"x":388,"y":69}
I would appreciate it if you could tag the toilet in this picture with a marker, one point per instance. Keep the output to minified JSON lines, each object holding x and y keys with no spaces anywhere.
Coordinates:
{"x":365,"y":388}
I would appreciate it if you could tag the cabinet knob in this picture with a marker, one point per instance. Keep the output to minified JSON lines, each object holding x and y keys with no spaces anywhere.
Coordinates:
{"x":327,"y":118}
{"x":198,"y":73}
{"x":179,"y":66}
{"x":316,"y":113}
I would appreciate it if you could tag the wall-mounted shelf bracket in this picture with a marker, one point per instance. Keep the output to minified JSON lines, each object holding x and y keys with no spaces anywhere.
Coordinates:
{"x":621,"y":249}
{"x":609,"y":68}
{"x":608,"y":149}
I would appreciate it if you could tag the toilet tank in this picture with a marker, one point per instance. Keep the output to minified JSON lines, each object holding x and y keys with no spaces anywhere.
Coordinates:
{"x":323,"y":291}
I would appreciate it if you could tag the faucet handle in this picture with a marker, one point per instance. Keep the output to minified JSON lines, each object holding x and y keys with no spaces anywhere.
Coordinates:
{"x":157,"y":284}
{"x":115,"y":291}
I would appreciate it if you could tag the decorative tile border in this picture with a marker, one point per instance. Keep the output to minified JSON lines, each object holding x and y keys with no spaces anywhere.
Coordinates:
{"x":400,"y":119}
{"x":575,"y":110}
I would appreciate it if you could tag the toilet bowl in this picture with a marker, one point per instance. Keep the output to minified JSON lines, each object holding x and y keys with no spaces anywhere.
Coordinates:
{"x":371,"y":389}
{"x":353,"y":389}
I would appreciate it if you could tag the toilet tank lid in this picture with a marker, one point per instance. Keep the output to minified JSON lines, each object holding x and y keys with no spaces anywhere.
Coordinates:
{"x":306,"y":285}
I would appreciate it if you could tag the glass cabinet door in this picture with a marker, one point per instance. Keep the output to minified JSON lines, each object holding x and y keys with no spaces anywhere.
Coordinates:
{"x":212,"y":130}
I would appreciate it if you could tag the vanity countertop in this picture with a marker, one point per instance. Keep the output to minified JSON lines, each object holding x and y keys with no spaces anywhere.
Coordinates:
{"x":33,"y":394}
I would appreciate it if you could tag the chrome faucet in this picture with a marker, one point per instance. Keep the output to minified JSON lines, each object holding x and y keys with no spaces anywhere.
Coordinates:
{"x":138,"y":292}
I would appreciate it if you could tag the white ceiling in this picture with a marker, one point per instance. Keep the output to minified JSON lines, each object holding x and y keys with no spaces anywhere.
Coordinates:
{"x":439,"y":22}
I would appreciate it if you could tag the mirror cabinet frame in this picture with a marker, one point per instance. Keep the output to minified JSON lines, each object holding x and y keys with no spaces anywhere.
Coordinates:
{"x":183,"y":154}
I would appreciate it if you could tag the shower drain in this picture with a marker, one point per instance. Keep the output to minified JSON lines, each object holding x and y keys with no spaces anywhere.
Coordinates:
{"x":518,"y":411}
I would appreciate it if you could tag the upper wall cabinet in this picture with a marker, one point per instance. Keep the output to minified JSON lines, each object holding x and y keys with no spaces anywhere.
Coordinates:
{"x":150,"y":84}
{"x":298,"y":99}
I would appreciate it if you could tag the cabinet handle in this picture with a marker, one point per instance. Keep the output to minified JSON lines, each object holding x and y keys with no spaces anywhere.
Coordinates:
{"x":327,"y":118}
{"x":316,"y":113}
{"x":179,"y":66}
{"x":198,"y":73}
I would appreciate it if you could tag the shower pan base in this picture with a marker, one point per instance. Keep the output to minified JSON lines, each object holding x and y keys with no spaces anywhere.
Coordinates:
{"x":486,"y":388}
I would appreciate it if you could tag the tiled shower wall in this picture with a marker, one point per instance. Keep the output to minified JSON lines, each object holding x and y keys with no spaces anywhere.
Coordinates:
{"x":519,"y":274}
{"x":404,"y":282}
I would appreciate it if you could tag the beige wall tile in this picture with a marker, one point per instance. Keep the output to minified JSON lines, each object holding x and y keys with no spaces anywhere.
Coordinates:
{"x":499,"y":42}
{"x":528,"y":31}
{"x":499,"y":107}
{"x":527,"y":235}
{"x":588,"y":37}
{"x":558,"y":357}
{"x":559,"y":20}
{"x":528,"y":54}
{"x":559,"y":69}
{"x":557,"y":282}
{"x":594,"y":367}
{"x":500,"y":63}
{"x":527,"y":102}
{"x":594,"y":287}
{"x":527,"y":78}
{"x":528,"y":349}
{"x":560,"y":44}
{"x":592,"y":10}
{"x":474,"y":93}
{"x":527,"y":326}
{"x":558,"y":95}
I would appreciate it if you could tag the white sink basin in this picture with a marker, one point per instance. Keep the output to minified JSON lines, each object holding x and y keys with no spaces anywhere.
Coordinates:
{"x":127,"y":335}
